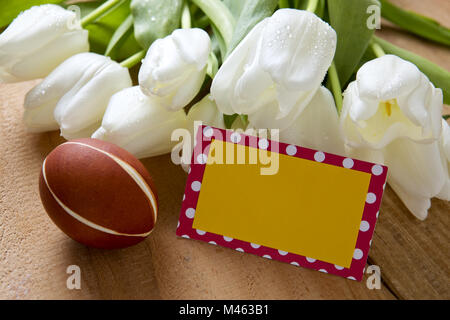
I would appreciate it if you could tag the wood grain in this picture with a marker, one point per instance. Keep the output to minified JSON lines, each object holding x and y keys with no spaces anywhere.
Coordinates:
{"x":34,"y":254}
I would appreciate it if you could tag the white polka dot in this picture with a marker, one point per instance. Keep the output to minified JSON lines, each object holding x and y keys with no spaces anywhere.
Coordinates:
{"x":185,"y":236}
{"x":255,"y":246}
{"x":291,"y":150}
{"x":267,"y":256}
{"x":378,"y":213}
{"x":240,"y":249}
{"x":189,"y":170}
{"x":227,"y":239}
{"x":364,"y":226}
{"x":351,"y":278}
{"x":323,"y":270}
{"x":208,"y":132}
{"x":370,"y":243}
{"x":178,"y":224}
{"x":235,"y":137}
{"x":184,"y":197}
{"x":202,"y":158}
{"x":190,"y":213}
{"x":310,"y":260}
{"x":348,"y":163}
{"x":377,"y":169}
{"x":196,"y":186}
{"x":212,"y":242}
{"x":319,"y":156}
{"x":282,"y":253}
{"x":357,"y":254}
{"x":201,"y":232}
{"x":371,"y":198}
{"x":263,"y":143}
{"x":338,"y":267}
{"x":295,"y":263}
{"x":384,"y":186}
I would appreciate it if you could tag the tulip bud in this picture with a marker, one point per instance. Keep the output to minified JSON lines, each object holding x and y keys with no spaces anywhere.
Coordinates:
{"x":139,"y":124}
{"x":276,"y":69}
{"x":175,"y":67}
{"x":75,"y":95}
{"x":38,"y":40}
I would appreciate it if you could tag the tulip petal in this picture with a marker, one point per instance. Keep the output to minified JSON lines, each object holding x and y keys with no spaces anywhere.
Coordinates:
{"x":206,"y":111}
{"x":444,"y":194}
{"x":415,"y":171}
{"x":317,"y":126}
{"x":139,"y":124}
{"x":417,"y":205}
{"x":175,"y":67}
{"x":84,"y":104}
{"x":223,"y":86}
{"x":38,"y":40}
{"x":386,"y":78}
{"x":298,"y":48}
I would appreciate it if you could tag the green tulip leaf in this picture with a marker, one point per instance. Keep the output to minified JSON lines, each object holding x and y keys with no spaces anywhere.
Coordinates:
{"x":11,"y":9}
{"x":349,"y":19}
{"x":235,"y":7}
{"x":252,"y":12}
{"x":122,"y":32}
{"x":415,"y":23}
{"x":154,"y":19}
{"x":103,"y":29}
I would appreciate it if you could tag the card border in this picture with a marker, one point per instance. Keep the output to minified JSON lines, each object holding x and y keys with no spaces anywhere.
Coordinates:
{"x":204,"y":136}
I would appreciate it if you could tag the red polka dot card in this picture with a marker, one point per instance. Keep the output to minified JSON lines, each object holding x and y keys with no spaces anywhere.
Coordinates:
{"x":284,"y":202}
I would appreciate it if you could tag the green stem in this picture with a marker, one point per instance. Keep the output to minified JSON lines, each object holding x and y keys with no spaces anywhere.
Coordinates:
{"x":133,"y":60}
{"x":283,"y":4}
{"x":186,"y":17}
{"x":219,"y":15}
{"x":312,"y":5}
{"x":377,"y":49}
{"x":98,"y":12}
{"x":335,"y":86}
{"x":213,"y":65}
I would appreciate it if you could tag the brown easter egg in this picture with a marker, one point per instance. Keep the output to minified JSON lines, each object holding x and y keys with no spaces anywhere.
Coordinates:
{"x":98,"y":194}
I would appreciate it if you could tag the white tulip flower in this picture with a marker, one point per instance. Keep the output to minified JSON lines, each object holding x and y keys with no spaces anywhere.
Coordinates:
{"x":175,"y":67}
{"x":392,"y":114}
{"x":75,"y":95}
{"x":317,"y":126}
{"x":38,"y":40}
{"x":139,"y":124}
{"x":207,"y":112}
{"x":277,"y":68}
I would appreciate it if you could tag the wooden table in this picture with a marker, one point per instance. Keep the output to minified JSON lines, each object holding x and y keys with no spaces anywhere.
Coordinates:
{"x":34,"y":254}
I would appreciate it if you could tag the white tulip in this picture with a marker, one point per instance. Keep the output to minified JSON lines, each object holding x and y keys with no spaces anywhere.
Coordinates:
{"x":317,"y":126}
{"x":277,"y":68}
{"x":75,"y":95}
{"x":175,"y":67}
{"x":207,"y":112}
{"x":139,"y":123}
{"x":392,"y":114}
{"x":38,"y":40}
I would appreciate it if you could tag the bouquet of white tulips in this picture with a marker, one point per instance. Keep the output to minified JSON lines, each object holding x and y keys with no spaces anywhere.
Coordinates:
{"x":311,"y":68}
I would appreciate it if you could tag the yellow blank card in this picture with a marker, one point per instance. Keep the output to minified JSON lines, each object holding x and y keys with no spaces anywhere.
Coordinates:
{"x":312,"y":209}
